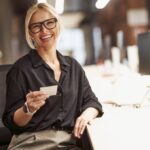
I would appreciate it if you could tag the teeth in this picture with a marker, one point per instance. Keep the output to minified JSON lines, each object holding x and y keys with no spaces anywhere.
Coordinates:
{"x":45,"y":37}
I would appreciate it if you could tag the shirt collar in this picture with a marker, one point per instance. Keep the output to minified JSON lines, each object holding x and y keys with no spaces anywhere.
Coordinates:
{"x":62,"y":59}
{"x":36,"y":60}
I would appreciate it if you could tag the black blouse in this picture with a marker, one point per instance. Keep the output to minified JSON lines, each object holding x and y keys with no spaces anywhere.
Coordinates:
{"x":74,"y":93}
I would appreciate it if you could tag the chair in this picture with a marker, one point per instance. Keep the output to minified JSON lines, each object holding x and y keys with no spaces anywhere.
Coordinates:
{"x":144,"y":52}
{"x":5,"y":134}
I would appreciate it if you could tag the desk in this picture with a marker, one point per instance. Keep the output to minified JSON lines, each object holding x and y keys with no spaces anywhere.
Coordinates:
{"x":126,"y":127}
{"x":121,"y":128}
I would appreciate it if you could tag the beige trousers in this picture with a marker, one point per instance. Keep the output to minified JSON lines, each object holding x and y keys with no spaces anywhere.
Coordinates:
{"x":44,"y":140}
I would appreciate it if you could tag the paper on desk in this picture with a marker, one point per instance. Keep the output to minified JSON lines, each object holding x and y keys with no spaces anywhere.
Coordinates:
{"x":49,"y":90}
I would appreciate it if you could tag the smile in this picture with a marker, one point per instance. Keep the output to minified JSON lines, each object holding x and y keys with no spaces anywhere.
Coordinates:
{"x":46,"y":37}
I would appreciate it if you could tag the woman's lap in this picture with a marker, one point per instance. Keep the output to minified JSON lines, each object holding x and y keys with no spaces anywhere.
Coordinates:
{"x":44,"y":140}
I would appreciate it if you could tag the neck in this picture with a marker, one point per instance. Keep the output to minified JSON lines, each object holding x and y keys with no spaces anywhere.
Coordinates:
{"x":48,"y":55}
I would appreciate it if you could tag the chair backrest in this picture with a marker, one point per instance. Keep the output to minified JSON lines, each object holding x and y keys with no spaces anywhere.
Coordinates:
{"x":3,"y":71}
{"x":143,"y":43}
{"x":5,"y":134}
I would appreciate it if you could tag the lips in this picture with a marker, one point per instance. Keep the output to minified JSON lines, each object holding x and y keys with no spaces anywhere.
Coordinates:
{"x":46,"y":37}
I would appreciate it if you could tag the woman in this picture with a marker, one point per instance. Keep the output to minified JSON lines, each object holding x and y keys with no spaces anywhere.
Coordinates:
{"x":49,"y":100}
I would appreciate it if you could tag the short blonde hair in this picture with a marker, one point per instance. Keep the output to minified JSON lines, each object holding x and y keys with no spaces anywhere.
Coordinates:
{"x":30,"y":13}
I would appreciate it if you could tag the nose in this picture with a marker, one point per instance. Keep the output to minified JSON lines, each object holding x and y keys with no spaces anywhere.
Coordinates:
{"x":43,"y":29}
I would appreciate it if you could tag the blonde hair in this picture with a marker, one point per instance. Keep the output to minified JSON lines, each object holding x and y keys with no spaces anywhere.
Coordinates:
{"x":30,"y":13}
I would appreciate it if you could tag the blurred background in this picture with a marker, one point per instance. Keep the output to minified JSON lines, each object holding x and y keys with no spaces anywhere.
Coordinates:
{"x":95,"y":31}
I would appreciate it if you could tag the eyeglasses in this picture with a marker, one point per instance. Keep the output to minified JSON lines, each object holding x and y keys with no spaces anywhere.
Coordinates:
{"x":48,"y":24}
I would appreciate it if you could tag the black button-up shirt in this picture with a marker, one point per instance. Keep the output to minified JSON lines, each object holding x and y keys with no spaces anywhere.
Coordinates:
{"x":74,"y":93}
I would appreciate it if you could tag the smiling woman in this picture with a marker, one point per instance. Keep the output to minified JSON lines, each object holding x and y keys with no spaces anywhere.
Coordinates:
{"x":54,"y":101}
{"x":34,"y":19}
{"x":43,"y":30}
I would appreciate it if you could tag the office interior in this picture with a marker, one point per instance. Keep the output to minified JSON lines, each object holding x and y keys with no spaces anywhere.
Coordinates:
{"x":111,"y":40}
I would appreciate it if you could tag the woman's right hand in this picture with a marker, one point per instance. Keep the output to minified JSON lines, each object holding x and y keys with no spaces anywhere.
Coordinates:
{"x":35,"y":100}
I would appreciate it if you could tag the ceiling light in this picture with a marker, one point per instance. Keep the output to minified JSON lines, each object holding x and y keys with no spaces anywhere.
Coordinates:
{"x":41,"y":1}
{"x":59,"y":6}
{"x":100,"y":4}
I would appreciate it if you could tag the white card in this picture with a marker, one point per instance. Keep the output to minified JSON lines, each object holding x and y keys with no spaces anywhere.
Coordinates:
{"x":49,"y":90}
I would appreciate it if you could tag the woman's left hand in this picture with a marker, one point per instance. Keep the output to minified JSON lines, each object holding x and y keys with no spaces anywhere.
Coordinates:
{"x":86,"y":117}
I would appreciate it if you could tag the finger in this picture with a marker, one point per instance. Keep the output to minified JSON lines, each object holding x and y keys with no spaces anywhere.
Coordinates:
{"x":36,"y":97}
{"x":82,"y":127}
{"x":37,"y":93}
{"x":79,"y":129}
{"x":76,"y":128}
{"x":34,"y":106}
{"x":39,"y":98}
{"x":39,"y":104}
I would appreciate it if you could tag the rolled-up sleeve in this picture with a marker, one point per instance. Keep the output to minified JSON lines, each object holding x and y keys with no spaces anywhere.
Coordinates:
{"x":14,"y":98}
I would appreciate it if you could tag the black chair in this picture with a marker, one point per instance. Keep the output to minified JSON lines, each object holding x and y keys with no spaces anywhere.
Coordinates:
{"x":143,"y":42}
{"x":5,"y":134}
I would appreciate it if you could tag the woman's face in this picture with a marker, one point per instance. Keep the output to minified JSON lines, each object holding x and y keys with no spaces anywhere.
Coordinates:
{"x":43,"y":29}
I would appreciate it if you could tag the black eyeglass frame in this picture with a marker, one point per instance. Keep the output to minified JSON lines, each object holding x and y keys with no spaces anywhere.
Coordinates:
{"x":42,"y":23}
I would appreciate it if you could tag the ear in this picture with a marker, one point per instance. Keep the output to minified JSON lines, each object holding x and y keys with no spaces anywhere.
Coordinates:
{"x":34,"y":43}
{"x":32,"y":39}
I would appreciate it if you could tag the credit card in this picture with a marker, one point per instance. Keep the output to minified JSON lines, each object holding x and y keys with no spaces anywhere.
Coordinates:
{"x":49,"y":90}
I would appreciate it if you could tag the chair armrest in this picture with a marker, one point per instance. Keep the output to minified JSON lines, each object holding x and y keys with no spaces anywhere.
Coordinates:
{"x":5,"y":136}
